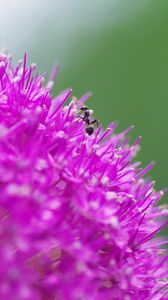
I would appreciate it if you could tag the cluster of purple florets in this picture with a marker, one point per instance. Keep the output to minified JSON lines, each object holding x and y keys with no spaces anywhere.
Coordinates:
{"x":77,"y":220}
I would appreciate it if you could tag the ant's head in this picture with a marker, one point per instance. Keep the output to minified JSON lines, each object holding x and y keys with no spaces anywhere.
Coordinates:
{"x":84,"y":108}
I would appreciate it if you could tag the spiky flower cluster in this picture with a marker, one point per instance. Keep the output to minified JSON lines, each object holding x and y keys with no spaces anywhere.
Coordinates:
{"x":77,"y":221}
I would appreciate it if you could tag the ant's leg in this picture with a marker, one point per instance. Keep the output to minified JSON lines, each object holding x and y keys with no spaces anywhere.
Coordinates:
{"x":81,"y":117}
{"x":95,"y":121}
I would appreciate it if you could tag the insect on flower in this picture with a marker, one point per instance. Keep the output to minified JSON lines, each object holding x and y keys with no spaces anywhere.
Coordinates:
{"x":87,"y":113}
{"x":74,"y":223}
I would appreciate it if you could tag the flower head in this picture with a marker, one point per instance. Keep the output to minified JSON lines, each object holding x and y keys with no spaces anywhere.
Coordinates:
{"x":77,"y":219}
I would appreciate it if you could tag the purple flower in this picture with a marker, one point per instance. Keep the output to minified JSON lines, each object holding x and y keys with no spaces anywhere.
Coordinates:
{"x":77,"y":220}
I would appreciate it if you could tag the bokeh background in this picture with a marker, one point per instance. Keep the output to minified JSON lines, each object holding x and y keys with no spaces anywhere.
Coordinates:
{"x":115,"y":48}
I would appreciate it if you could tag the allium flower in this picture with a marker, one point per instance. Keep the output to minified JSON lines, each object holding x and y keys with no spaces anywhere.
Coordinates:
{"x":77,"y":220}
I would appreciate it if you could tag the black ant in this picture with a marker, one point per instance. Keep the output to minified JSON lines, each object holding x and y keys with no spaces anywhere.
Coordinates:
{"x":88,"y":122}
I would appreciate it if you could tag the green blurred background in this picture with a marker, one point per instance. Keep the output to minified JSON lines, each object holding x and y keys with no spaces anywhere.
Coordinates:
{"x":117,"y":49}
